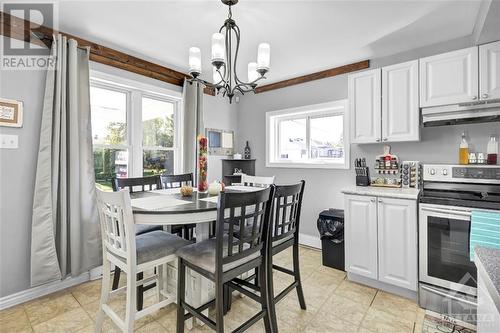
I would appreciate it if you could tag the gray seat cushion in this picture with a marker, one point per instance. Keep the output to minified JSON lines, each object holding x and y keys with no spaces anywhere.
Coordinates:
{"x":202,"y":255}
{"x":157,"y":244}
{"x":143,"y":228}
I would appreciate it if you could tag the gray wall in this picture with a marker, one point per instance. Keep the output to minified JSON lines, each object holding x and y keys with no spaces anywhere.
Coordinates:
{"x":323,"y":186}
{"x":18,"y":167}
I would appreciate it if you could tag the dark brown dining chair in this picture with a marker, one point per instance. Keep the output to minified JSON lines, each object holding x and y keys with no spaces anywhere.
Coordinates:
{"x":223,"y":258}
{"x":177,"y":181}
{"x":137,"y":184}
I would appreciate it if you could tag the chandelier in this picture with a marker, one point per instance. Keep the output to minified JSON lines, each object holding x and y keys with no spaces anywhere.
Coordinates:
{"x":225,"y":78}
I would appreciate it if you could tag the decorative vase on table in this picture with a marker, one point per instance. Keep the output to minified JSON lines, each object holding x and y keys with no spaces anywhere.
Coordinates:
{"x":202,"y":163}
{"x":247,"y":152}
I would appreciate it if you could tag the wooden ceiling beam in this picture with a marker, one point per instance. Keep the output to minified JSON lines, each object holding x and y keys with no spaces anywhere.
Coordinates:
{"x":314,"y":76}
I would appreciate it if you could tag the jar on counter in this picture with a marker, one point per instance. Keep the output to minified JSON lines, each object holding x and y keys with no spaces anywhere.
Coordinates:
{"x":472,"y":158}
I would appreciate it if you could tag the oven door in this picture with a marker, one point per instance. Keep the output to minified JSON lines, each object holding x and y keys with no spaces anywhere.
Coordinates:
{"x":444,"y":248}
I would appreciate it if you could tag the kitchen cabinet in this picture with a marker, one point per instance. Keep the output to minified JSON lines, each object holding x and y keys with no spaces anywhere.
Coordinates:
{"x":489,"y":71}
{"x":449,"y":78}
{"x":397,"y":242}
{"x":364,"y":106}
{"x":381,"y":239}
{"x":384,"y":104}
{"x":361,"y":235}
{"x":400,"y":105}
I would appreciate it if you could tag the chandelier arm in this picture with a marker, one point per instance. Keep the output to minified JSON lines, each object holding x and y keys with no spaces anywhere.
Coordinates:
{"x":237,"y":33}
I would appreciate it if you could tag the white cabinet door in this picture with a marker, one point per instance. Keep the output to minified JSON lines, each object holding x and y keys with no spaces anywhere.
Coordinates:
{"x":489,"y":71}
{"x":361,"y":235}
{"x":449,"y":78}
{"x":400,"y":105}
{"x":364,"y":106}
{"x":397,"y":242}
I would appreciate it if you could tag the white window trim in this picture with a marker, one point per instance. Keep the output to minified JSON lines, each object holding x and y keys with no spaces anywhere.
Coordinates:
{"x":274,"y":117}
{"x":135,"y":90}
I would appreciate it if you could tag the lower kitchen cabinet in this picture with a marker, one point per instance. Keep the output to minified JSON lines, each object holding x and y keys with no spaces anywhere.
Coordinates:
{"x":381,"y":239}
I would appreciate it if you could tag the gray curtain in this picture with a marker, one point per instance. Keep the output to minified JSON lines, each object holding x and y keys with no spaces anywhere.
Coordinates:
{"x":65,"y":236}
{"x":193,"y":125}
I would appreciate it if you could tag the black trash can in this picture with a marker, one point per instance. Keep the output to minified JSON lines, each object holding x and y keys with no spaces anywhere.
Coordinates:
{"x":331,"y":228}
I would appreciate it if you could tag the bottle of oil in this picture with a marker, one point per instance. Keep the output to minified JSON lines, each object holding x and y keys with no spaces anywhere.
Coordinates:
{"x":463,"y":156}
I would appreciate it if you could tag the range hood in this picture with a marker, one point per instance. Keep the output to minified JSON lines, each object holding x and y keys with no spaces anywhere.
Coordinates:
{"x":465,"y":113}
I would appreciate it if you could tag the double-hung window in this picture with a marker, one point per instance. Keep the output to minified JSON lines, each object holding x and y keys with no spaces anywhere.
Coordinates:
{"x":313,"y":136}
{"x":135,"y":129}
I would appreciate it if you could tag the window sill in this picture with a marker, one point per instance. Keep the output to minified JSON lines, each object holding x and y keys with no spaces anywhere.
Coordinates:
{"x":307,"y":165}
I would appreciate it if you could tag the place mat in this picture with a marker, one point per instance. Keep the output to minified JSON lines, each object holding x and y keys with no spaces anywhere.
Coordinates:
{"x":438,"y":323}
{"x":243,"y":188}
{"x":213,"y":199}
{"x":157,"y":202}
{"x":169,"y":191}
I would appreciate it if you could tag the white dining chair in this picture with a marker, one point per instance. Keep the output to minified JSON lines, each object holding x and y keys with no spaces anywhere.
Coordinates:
{"x":132,"y":254}
{"x":256,"y":181}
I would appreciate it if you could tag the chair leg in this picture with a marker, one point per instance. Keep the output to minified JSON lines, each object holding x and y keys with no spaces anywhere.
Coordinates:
{"x":219,"y":307}
{"x":181,"y":284}
{"x":130,"y":309}
{"x":140,"y":292}
{"x":296,"y":271}
{"x":160,"y":283}
{"x":267,"y":301}
{"x":116,"y":277}
{"x":105,"y":290}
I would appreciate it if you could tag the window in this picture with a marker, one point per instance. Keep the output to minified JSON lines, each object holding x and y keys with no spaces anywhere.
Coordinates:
{"x":308,"y":137}
{"x":134,"y":129}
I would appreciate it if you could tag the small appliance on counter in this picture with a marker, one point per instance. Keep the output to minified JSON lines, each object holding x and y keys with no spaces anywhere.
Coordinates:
{"x":387,"y":167}
{"x":362,"y":172}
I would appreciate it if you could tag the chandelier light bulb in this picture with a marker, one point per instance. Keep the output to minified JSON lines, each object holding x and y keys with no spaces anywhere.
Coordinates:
{"x":194,"y":60}
{"x":252,"y":72}
{"x":264,"y":56}
{"x":218,"y":47}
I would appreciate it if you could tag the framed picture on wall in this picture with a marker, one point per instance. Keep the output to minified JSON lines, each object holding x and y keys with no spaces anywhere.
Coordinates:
{"x":11,"y":113}
{"x":220,"y":142}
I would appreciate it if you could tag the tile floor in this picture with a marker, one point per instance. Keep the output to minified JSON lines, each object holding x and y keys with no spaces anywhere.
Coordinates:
{"x":333,"y":305}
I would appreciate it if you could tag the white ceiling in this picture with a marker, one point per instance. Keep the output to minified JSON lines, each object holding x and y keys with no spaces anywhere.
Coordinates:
{"x":305,"y":36}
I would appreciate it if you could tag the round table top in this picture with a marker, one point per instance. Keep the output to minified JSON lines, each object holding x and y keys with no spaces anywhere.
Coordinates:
{"x":193,"y":205}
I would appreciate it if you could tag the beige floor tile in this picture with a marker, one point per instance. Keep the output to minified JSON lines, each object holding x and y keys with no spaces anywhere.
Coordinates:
{"x":396,"y":305}
{"x":14,"y":320}
{"x":341,"y":308}
{"x":167,"y":317}
{"x":68,"y":322}
{"x":87,"y":292}
{"x":383,"y":322}
{"x":356,"y":292}
{"x":319,"y":325}
{"x":153,"y":327}
{"x":294,"y":316}
{"x":51,"y":306}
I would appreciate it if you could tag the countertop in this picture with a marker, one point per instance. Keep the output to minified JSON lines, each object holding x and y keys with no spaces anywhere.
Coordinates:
{"x":398,"y":193}
{"x":487,"y":261}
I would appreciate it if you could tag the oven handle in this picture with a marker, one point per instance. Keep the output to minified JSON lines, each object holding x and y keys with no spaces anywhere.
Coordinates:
{"x":448,"y":295}
{"x":446,"y":211}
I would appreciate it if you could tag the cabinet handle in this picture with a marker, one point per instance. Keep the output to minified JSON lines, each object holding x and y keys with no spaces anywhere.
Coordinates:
{"x":377,"y":139}
{"x":380,"y":200}
{"x":485,"y":95}
{"x":385,"y":139}
{"x":474,"y":97}
{"x":372,"y":200}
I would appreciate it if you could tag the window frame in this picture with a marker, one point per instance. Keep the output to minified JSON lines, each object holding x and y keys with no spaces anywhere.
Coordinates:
{"x":135,"y":91}
{"x":274,"y":118}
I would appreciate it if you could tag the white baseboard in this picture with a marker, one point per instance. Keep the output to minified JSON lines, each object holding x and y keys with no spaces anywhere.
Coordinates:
{"x":308,"y":240}
{"x":49,"y":288}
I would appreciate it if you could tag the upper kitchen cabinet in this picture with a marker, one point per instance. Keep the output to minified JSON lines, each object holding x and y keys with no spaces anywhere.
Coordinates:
{"x":400,"y":106}
{"x":449,"y":78}
{"x":365,"y":106}
{"x":489,"y":71}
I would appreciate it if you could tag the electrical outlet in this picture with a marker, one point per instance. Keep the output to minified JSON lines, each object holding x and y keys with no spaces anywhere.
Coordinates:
{"x":9,"y":141}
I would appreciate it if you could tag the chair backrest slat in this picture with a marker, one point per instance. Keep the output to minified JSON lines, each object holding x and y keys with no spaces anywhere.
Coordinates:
{"x":257,"y":181}
{"x":153,"y":183}
{"x":287,"y":207}
{"x":117,"y":223}
{"x":250,"y":212}
{"x":176,"y":181}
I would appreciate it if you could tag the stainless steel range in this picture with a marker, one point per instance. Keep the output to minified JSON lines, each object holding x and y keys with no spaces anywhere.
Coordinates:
{"x":447,"y":277}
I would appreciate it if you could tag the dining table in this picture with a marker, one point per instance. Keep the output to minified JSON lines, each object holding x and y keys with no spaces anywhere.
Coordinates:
{"x":167,"y":207}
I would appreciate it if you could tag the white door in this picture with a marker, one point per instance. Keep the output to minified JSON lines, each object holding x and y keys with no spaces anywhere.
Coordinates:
{"x":400,"y":105}
{"x":489,"y":70}
{"x":361,"y":235}
{"x":397,"y":242}
{"x":449,"y":78}
{"x":365,"y":104}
